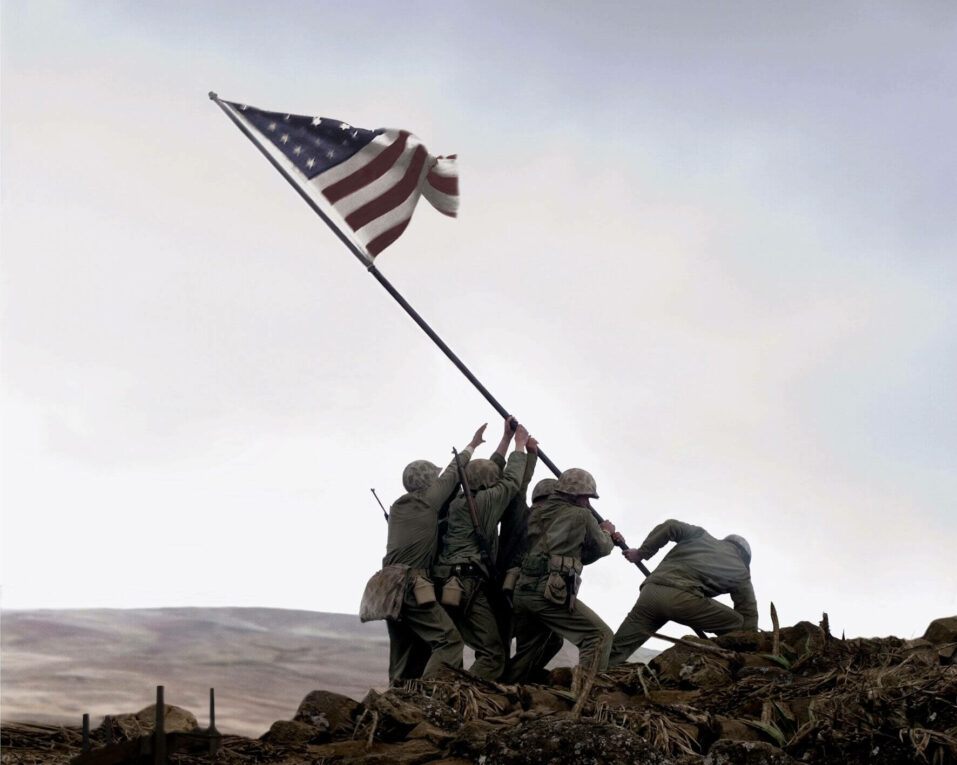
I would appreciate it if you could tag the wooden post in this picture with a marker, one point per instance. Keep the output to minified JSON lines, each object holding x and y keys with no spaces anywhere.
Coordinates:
{"x":211,"y":731}
{"x":159,"y":730}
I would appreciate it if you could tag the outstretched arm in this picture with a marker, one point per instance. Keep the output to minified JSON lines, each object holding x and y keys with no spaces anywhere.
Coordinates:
{"x":502,"y":448}
{"x":444,"y":486}
{"x":669,"y":531}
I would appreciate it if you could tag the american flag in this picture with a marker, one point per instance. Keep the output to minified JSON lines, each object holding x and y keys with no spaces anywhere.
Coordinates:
{"x":371,"y":178}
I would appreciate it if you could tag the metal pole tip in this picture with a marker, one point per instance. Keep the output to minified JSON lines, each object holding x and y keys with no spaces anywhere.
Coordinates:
{"x":213,"y":96}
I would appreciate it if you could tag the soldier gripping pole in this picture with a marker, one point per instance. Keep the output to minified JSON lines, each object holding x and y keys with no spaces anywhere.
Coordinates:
{"x":366,"y":260}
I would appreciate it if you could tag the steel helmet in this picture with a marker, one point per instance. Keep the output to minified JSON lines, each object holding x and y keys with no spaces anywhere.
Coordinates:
{"x":543,"y":488}
{"x":419,"y":474}
{"x":481,"y":474}
{"x":577,"y":482}
{"x":742,"y":544}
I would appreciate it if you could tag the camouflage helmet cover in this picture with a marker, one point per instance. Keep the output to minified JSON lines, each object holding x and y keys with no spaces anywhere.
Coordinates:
{"x":577,"y":482}
{"x":742,"y":544}
{"x":481,"y":474}
{"x":543,"y":488}
{"x":419,"y":474}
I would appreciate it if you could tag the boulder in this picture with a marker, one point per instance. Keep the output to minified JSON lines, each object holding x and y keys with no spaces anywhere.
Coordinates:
{"x":131,"y":726}
{"x":942,"y":630}
{"x":746,"y":641}
{"x":802,"y":638}
{"x":332,"y":711}
{"x":684,"y":667}
{"x":293,"y":734}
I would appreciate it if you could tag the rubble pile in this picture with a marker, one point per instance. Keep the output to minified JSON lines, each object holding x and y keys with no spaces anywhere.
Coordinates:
{"x":798,"y":694}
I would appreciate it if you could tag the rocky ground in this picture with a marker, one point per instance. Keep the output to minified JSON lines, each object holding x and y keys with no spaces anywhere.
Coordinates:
{"x":798,"y":694}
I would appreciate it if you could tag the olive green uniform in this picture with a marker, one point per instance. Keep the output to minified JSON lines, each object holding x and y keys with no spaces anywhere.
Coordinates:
{"x":698,"y":568}
{"x":513,"y":537}
{"x":423,"y":637}
{"x":512,"y":546}
{"x":556,"y":527}
{"x":461,"y":556}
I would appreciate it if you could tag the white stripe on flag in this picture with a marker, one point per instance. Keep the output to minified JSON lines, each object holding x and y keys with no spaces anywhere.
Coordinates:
{"x":378,"y":187}
{"x":393,"y":217}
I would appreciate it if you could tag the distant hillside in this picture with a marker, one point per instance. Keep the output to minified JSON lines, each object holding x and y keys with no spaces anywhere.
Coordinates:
{"x":261,"y":661}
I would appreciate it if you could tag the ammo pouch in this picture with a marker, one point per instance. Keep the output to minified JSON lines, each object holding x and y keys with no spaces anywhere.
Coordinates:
{"x":452,"y":592}
{"x":563,"y":579}
{"x":423,"y":589}
{"x":556,"y":589}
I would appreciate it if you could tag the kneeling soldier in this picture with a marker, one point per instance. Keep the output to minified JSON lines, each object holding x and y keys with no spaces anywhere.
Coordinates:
{"x":697,"y":569}
{"x":563,"y":536}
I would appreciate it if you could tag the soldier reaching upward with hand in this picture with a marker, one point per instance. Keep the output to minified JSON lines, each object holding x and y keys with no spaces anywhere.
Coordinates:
{"x":412,"y":542}
{"x":466,"y":564}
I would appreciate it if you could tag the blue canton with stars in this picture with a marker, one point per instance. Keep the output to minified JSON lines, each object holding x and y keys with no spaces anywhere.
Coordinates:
{"x":312,"y":144}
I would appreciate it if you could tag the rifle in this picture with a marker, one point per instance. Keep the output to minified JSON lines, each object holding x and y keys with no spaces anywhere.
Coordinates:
{"x":485,"y":549}
{"x":386,"y":514}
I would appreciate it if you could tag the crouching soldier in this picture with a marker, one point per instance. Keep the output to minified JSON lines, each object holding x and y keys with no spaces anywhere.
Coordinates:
{"x":465,"y":567}
{"x":421,"y":635}
{"x":697,"y":569}
{"x":563,"y":536}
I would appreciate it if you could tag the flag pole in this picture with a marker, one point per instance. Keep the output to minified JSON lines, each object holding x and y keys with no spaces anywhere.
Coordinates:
{"x":475,"y":381}
{"x":365,"y":258}
{"x":370,"y":267}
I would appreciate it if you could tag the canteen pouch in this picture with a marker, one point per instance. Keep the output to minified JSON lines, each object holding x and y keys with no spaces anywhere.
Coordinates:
{"x":511,"y":577}
{"x":452,"y":592}
{"x":556,"y":589}
{"x":424,"y":590}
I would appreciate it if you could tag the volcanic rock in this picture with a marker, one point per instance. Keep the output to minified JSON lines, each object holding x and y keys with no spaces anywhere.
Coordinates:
{"x":332,"y":711}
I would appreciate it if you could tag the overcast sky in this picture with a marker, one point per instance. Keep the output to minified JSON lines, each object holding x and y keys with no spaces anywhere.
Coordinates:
{"x":705,"y":251}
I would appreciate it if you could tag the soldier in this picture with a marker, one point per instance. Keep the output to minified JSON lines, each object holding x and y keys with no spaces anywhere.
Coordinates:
{"x":412,"y":541}
{"x":512,"y":532}
{"x":563,"y":536}
{"x":513,"y":544}
{"x":466,"y":566}
{"x":697,"y":569}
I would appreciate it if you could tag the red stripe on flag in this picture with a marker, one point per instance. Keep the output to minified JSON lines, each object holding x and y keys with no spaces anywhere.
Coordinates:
{"x":386,"y":238}
{"x":445,"y":184}
{"x":393,"y":197}
{"x":366,"y":174}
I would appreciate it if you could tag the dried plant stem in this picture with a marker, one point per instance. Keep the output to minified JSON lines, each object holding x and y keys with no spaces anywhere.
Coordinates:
{"x":776,"y":627}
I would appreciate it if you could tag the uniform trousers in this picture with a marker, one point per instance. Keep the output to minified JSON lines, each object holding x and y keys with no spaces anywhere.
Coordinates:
{"x":658,"y":604}
{"x":538,"y":618}
{"x":421,"y":640}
